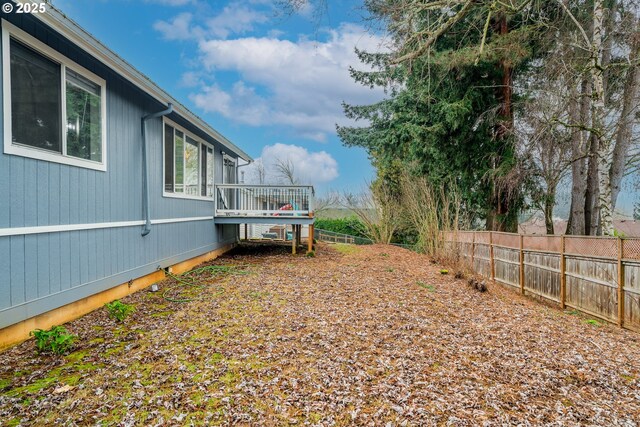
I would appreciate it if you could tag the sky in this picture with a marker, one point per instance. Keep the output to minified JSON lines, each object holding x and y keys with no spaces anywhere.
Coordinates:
{"x":272,"y":83}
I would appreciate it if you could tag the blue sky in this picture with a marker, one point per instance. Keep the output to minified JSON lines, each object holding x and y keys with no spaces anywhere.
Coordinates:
{"x":272,"y":84}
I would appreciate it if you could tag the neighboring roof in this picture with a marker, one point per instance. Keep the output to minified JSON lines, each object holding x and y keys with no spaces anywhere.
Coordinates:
{"x":78,"y":35}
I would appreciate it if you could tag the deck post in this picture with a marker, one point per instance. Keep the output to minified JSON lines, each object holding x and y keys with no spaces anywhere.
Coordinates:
{"x":310,"y":239}
{"x":293,"y":239}
{"x":246,"y":235}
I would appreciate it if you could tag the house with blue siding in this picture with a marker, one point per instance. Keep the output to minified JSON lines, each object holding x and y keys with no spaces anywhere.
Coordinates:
{"x":106,"y":180}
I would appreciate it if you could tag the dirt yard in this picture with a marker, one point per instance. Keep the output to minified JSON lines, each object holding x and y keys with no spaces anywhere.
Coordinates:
{"x":353,"y":336}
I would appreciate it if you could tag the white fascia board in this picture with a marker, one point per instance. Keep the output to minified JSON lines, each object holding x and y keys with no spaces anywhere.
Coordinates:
{"x":83,"y":39}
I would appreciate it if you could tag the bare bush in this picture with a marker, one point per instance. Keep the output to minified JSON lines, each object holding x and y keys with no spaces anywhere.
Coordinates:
{"x":433,"y":212}
{"x":378,"y":210}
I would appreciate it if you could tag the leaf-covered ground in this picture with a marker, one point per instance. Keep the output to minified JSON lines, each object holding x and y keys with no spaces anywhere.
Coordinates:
{"x":353,"y":336}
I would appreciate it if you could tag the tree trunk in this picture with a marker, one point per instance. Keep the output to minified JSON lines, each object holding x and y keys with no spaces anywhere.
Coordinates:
{"x":604,"y":154}
{"x":501,"y":216}
{"x":579,"y":116}
{"x":591,"y":194}
{"x":549,"y":203}
{"x":627,"y":116}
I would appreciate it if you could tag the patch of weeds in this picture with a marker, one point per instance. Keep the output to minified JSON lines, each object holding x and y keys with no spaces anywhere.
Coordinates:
{"x":444,"y":271}
{"x":346,"y":249}
{"x":34,"y":387}
{"x":567,"y":403}
{"x":162,"y":313}
{"x":115,"y":350}
{"x":389,"y":270}
{"x":315,"y":417}
{"x":56,"y":340}
{"x":627,"y":378}
{"x":426,"y":286}
{"x":77,"y":356}
{"x":5,"y":384}
{"x":228,"y":378}
{"x":118,"y":310}
{"x":593,"y":322}
{"x":258,"y":295}
{"x":311,"y":254}
{"x":216,"y":357}
{"x":572,"y":312}
{"x":72,"y":380}
{"x":384,"y":254}
{"x":197,"y":398}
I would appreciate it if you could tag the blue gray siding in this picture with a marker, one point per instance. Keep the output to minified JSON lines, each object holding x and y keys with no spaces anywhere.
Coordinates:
{"x":40,"y":272}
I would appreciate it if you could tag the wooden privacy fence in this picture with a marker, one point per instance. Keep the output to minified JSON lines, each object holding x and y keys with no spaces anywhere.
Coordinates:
{"x":597,"y":275}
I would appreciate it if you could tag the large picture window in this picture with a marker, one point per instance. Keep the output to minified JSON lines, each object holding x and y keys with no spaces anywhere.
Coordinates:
{"x":55,"y":107}
{"x":188,"y":164}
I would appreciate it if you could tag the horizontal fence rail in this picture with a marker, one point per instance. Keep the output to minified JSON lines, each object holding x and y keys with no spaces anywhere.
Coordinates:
{"x":597,"y":275}
{"x":264,"y":200}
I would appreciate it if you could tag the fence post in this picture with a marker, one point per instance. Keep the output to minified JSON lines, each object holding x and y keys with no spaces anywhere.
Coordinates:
{"x":491,"y":262}
{"x":473,"y":250}
{"x":563,"y":276}
{"x":522,"y":264}
{"x":620,"y":283}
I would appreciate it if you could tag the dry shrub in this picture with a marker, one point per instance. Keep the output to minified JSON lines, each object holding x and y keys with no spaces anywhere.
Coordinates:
{"x":436,"y":216}
{"x":377,"y":209}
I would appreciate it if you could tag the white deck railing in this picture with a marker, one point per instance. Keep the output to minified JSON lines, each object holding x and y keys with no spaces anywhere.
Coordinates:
{"x":264,"y":200}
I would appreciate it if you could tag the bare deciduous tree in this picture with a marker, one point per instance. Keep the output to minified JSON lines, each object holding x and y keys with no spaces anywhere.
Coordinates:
{"x":286,"y":171}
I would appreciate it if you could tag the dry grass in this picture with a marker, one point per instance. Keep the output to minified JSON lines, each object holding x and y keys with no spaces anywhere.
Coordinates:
{"x":374,"y":337}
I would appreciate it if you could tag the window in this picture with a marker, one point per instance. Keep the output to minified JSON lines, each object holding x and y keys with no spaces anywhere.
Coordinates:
{"x":206,"y":170}
{"x":56,"y":108}
{"x":188,"y":164}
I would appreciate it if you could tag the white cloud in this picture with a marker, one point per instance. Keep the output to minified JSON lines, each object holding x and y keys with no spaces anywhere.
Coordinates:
{"x":310,"y":167}
{"x":235,"y":19}
{"x":191,"y":79}
{"x":298,"y":84}
{"x":179,"y":28}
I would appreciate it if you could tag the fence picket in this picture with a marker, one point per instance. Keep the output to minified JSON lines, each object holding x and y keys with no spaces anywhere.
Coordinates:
{"x":575,"y":271}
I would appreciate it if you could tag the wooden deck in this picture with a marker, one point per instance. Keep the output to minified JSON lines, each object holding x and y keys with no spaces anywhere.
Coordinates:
{"x":264,"y":204}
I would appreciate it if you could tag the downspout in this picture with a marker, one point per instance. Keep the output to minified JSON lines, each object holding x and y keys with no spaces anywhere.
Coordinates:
{"x":145,"y":172}
{"x":241,"y":166}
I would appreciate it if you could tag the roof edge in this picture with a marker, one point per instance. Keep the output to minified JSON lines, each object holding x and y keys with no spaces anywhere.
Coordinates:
{"x":86,"y":41}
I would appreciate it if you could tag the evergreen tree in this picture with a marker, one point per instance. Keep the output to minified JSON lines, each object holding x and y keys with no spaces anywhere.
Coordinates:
{"x":449,"y":114}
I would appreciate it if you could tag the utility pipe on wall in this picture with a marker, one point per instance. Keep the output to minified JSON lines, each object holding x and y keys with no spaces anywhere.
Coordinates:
{"x":145,"y":172}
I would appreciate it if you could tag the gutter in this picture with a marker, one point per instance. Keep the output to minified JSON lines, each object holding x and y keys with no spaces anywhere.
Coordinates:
{"x":145,"y":171}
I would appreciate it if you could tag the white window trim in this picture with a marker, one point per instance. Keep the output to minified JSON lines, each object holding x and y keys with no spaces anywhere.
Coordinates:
{"x":11,"y":31}
{"x":166,"y":121}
